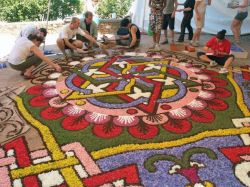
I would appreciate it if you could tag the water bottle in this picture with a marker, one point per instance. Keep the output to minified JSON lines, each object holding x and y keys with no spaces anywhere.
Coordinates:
{"x":3,"y":65}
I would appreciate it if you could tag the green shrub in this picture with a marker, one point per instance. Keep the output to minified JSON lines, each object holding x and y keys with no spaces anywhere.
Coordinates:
{"x":62,"y":8}
{"x":107,"y":7}
{"x":36,"y":10}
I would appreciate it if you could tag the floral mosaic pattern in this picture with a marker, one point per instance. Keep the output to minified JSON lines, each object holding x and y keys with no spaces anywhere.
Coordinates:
{"x":137,"y":94}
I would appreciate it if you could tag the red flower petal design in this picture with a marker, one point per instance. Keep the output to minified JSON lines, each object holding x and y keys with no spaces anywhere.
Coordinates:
{"x":57,"y":102}
{"x":203,"y":116}
{"x":78,"y":81}
{"x":51,"y":113}
{"x":51,"y":92}
{"x":222,"y":93}
{"x":217,"y":104}
{"x":210,"y":72}
{"x":107,"y":130}
{"x":173,"y":72}
{"x":74,"y":123}
{"x":39,"y":101}
{"x":143,"y":131}
{"x":219,"y":82}
{"x":35,"y":90}
{"x":178,"y":126}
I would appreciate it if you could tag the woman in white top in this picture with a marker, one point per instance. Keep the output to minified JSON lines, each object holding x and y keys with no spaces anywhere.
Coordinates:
{"x":239,"y":18}
{"x":26,"y":55}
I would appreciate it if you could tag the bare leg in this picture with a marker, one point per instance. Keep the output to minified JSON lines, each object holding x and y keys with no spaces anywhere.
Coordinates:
{"x":197,"y":34}
{"x":172,"y":35}
{"x":28,"y":71}
{"x":154,"y":38}
{"x":239,"y":30}
{"x":205,"y":58}
{"x":228,"y":62}
{"x":166,"y":34}
{"x":235,"y":27}
{"x":61,"y":45}
{"x":78,"y":44}
{"x":158,"y":37}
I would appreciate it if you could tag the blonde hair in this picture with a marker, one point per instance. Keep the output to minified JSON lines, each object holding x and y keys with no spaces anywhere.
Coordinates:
{"x":74,"y":20}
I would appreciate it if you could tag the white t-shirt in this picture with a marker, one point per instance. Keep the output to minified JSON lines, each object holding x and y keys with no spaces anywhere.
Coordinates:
{"x":28,"y":30}
{"x":66,"y":32}
{"x":241,"y":2}
{"x":21,"y":51}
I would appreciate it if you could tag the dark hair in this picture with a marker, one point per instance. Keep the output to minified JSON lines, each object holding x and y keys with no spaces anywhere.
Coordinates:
{"x":44,"y":31}
{"x":221,"y":34}
{"x":87,"y":14}
{"x":125,"y":22}
{"x":36,"y":37}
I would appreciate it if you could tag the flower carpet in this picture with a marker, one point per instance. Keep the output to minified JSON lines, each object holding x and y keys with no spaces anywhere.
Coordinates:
{"x":153,"y":120}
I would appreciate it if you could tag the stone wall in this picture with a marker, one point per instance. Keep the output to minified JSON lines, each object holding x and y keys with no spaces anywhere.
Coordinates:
{"x":109,"y":26}
{"x":14,"y":28}
{"x":106,"y":26}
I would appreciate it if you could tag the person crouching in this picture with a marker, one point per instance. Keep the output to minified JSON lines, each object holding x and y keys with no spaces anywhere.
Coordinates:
{"x":134,"y":35}
{"x":26,"y":55}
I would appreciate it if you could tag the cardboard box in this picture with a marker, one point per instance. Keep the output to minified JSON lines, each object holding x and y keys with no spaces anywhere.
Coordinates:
{"x":238,"y":52}
{"x":190,"y":48}
{"x":177,"y":47}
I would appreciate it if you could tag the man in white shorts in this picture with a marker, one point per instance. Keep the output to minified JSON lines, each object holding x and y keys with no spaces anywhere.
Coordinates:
{"x":200,"y":11}
{"x":66,"y":38}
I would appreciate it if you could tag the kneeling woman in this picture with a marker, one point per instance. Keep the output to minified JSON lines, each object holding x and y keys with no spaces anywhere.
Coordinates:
{"x":217,"y":51}
{"x":25,"y":55}
{"x":134,"y":34}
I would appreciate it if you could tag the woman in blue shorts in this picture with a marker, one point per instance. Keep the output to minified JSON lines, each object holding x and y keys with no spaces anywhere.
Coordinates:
{"x":239,"y":18}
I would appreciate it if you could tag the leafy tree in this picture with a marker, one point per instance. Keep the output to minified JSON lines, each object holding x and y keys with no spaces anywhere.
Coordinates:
{"x":107,"y":7}
{"x":62,"y":8}
{"x":26,"y":10}
{"x":36,"y":10}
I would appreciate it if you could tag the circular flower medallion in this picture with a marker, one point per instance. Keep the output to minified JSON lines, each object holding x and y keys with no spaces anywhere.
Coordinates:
{"x":136,"y":93}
